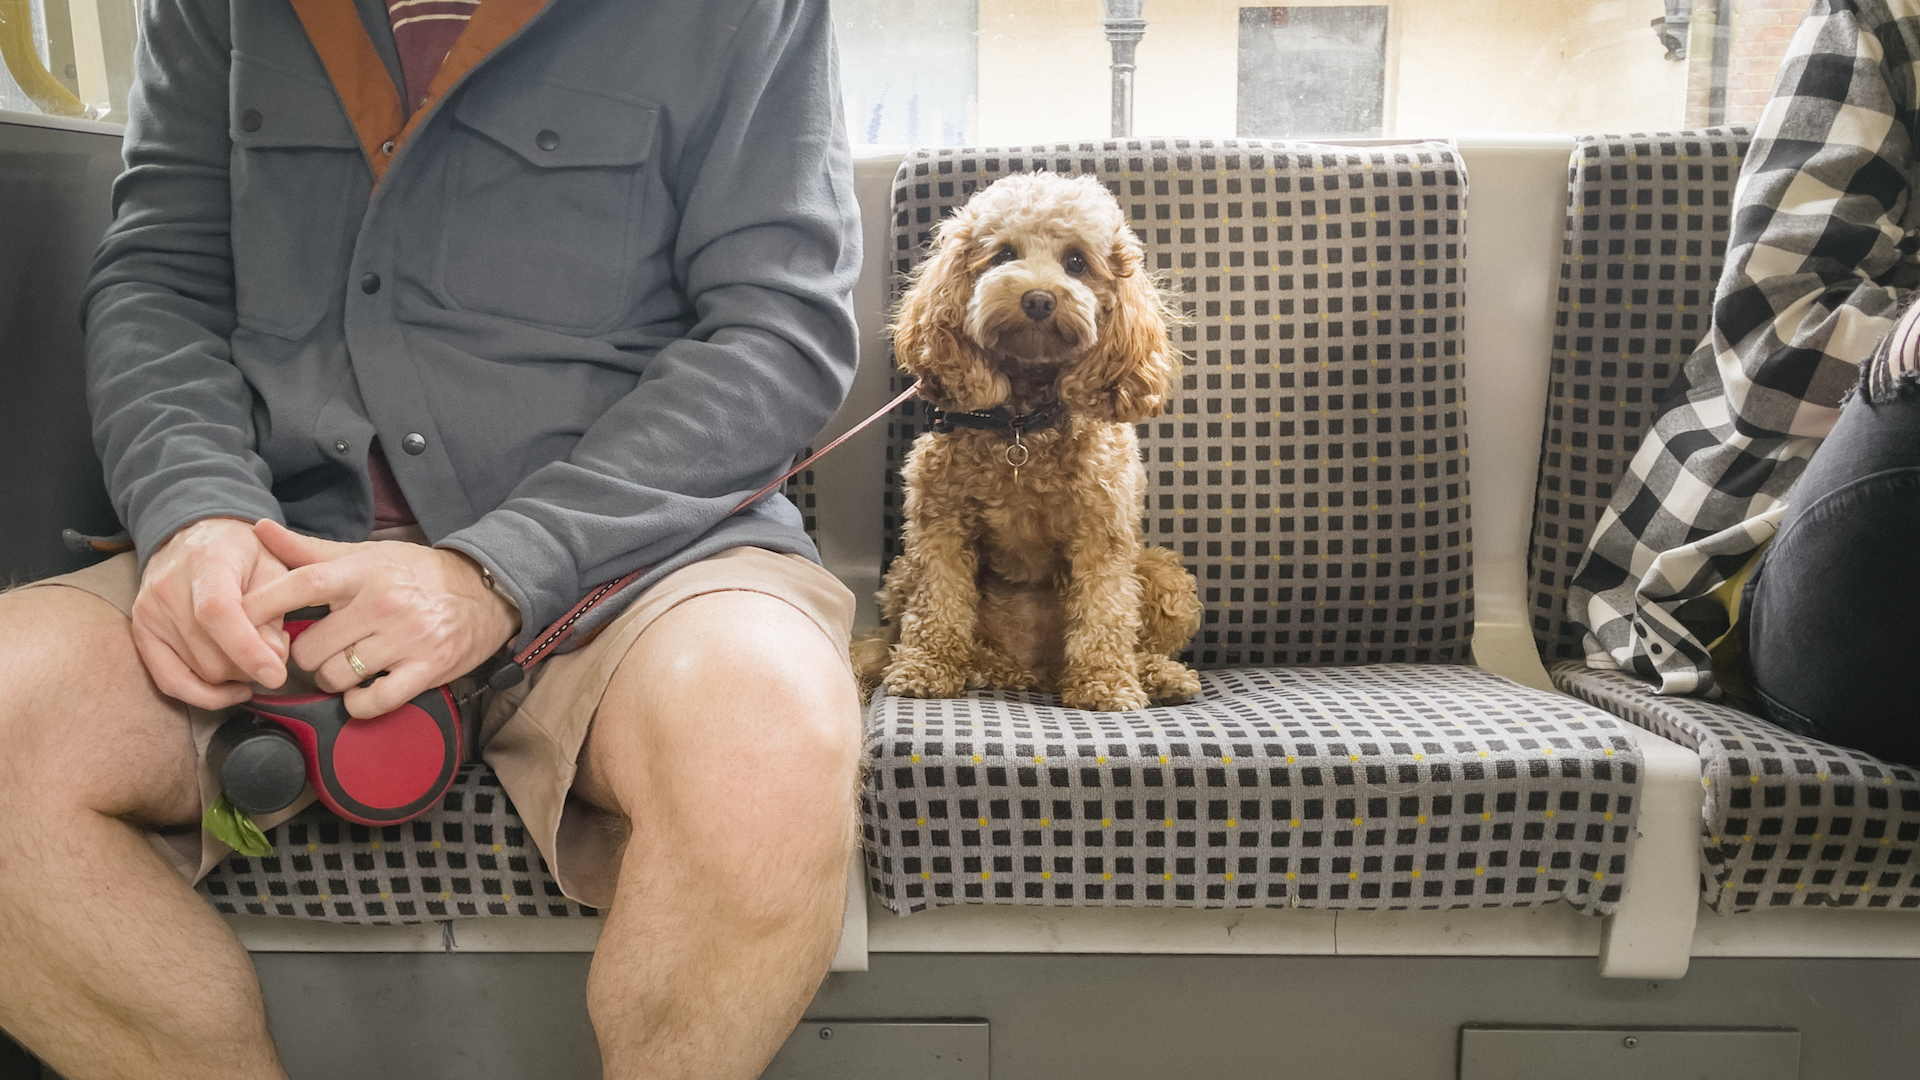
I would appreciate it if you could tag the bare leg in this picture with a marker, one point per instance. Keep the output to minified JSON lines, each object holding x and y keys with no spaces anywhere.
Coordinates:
{"x":114,"y":967}
{"x":730,"y":738}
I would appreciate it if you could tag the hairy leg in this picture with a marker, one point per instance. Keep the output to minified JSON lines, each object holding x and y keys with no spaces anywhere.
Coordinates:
{"x":730,"y":739}
{"x":114,"y":967}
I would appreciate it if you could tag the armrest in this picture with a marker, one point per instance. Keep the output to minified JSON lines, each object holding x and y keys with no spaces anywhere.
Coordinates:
{"x":1650,"y":935}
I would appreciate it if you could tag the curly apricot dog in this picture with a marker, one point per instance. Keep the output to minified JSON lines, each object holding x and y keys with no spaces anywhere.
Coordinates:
{"x":1038,"y":333}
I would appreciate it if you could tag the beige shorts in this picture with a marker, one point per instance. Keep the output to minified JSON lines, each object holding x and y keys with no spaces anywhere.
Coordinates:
{"x":531,"y":735}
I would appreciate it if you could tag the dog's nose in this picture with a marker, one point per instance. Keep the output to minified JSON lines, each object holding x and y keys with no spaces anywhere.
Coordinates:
{"x":1038,"y":304}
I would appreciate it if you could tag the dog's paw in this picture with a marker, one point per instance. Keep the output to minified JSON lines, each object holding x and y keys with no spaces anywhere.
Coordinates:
{"x":918,"y":674}
{"x":1168,"y":681}
{"x":999,"y":678}
{"x":1103,"y":692}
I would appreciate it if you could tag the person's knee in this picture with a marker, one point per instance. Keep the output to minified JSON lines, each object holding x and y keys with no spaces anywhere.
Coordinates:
{"x":778,"y":720}
{"x":30,"y":656}
{"x":736,"y":729}
{"x":38,"y":668}
{"x":81,"y":727}
{"x":749,"y":674}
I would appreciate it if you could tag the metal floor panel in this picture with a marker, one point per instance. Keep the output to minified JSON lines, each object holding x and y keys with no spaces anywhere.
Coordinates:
{"x":507,"y":1016}
{"x":1610,"y":1053}
{"x":883,"y":1050}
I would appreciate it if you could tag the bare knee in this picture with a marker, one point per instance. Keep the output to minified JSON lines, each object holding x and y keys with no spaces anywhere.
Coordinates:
{"x":737,"y":731}
{"x":81,"y":725}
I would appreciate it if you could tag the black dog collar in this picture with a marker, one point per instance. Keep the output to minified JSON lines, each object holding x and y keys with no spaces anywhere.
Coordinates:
{"x":999,"y":418}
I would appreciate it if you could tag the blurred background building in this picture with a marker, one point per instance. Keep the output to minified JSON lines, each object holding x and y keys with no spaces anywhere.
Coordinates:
{"x":1011,"y":71}
{"x":1007,"y":71}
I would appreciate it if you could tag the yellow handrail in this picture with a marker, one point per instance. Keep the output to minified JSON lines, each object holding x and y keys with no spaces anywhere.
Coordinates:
{"x":23,"y":62}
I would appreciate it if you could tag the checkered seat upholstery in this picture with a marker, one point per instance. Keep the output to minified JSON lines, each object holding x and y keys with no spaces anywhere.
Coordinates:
{"x":1785,"y":821}
{"x":468,"y":857}
{"x":1311,"y":471}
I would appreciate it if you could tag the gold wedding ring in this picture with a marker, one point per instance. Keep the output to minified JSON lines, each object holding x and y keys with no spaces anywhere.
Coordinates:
{"x":359,"y":669}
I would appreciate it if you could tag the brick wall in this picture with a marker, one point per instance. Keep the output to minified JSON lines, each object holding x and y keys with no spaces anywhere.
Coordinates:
{"x":1761,"y":30}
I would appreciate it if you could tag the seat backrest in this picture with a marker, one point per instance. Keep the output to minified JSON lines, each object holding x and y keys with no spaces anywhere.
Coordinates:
{"x":1311,"y":467}
{"x":1646,"y":234}
{"x":57,"y":200}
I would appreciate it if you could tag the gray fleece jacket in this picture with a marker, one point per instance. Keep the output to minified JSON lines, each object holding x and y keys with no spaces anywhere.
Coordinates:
{"x":601,"y":294}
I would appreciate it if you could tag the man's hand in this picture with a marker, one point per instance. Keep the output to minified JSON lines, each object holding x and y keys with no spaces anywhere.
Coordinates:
{"x":421,"y":614}
{"x":189,"y":624}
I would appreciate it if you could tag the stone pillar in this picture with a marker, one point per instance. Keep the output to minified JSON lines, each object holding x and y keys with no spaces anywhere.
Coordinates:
{"x":1124,"y":28}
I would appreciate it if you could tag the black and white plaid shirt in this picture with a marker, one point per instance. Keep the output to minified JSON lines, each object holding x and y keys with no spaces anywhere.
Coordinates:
{"x":1819,"y":260}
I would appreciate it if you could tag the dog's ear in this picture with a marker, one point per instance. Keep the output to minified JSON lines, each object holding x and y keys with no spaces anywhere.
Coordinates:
{"x":929,"y":327}
{"x":1125,"y":378}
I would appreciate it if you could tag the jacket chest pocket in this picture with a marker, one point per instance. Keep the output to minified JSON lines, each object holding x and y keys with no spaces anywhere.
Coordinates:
{"x":296,"y":177}
{"x":543,"y":204}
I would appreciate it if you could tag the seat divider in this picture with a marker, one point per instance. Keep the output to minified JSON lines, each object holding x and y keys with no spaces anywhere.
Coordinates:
{"x":852,"y":953}
{"x":1650,"y":934}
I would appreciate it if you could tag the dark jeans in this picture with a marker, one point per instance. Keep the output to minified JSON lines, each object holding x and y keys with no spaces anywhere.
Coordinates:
{"x":1833,"y":611}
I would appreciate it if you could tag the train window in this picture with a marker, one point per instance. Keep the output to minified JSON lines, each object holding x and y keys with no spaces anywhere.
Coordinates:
{"x":997,"y":72}
{"x":1312,"y":70}
{"x":67,"y":57}
{"x":950,"y":72}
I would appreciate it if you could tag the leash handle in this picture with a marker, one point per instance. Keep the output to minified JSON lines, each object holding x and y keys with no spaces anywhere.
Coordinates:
{"x":510,"y":674}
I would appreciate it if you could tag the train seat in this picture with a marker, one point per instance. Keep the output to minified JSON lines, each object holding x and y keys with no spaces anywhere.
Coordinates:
{"x":1312,"y":472}
{"x":1787,"y":821}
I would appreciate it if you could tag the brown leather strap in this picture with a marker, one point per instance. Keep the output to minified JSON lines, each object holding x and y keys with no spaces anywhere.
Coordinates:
{"x":366,"y":87}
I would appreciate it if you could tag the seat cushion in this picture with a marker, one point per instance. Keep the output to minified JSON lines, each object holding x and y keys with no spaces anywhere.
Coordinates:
{"x":1786,"y":821}
{"x":469,"y":857}
{"x":1383,"y":786}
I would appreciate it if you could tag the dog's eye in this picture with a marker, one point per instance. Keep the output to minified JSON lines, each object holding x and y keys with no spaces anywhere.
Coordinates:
{"x":1005,"y":255}
{"x":1075,"y":263}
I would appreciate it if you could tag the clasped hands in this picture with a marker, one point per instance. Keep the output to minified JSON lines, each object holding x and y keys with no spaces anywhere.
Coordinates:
{"x":207,"y":620}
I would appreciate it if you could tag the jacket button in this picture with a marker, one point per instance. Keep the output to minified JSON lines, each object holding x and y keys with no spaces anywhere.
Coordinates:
{"x":414,"y":443}
{"x":340,"y":446}
{"x":370,"y":283}
{"x":251,"y":120}
{"x":546,"y":140}
{"x":387,"y":148}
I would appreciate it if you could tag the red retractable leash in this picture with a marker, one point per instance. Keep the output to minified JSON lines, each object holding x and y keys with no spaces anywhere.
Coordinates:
{"x":387,"y":769}
{"x":380,"y":770}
